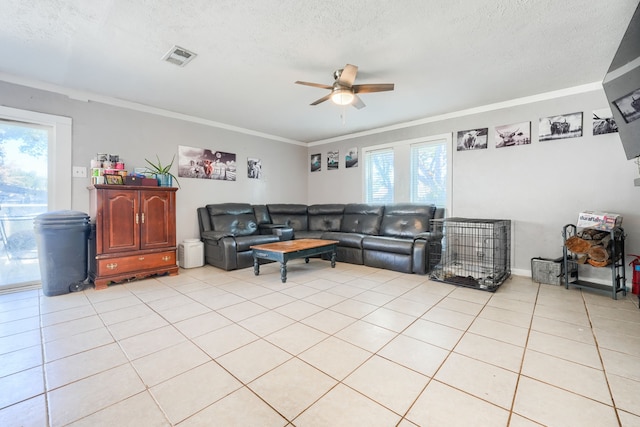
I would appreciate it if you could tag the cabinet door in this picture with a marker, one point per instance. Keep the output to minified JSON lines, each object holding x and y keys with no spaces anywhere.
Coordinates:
{"x":158,"y":219}
{"x":120,"y":221}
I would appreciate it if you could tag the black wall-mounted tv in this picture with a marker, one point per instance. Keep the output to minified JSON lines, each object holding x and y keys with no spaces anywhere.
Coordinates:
{"x":622,"y":86}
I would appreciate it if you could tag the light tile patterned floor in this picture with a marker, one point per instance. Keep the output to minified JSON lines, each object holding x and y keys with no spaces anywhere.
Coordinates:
{"x":350,"y":346}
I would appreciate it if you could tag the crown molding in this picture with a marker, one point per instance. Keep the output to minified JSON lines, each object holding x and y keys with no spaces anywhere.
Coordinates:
{"x":589,"y":87}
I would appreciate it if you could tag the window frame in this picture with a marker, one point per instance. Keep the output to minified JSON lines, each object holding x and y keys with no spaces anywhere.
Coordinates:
{"x":59,"y":188}
{"x":414,"y":182}
{"x":367,"y":172}
{"x":403,"y":166}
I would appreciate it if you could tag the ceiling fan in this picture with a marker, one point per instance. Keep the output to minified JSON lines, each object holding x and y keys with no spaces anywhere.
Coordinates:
{"x":343,"y":91}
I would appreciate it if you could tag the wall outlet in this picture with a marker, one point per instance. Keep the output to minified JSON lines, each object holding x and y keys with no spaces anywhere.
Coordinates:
{"x":79,"y":172}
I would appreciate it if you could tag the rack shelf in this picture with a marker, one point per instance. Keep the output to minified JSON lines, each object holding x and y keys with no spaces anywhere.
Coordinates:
{"x":617,"y":267}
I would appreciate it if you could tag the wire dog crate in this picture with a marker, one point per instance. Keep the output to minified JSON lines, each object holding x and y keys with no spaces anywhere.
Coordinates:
{"x":475,"y":252}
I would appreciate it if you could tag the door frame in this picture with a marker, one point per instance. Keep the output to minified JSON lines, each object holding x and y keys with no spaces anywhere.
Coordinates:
{"x":59,"y":153}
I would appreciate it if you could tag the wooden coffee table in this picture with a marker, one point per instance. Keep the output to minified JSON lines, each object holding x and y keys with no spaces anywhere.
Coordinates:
{"x":292,"y":249}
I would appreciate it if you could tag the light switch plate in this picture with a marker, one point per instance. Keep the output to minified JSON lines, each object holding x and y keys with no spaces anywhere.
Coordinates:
{"x":79,"y":172}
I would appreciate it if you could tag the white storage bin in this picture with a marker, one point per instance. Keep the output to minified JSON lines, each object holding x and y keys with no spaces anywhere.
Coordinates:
{"x":191,"y":253}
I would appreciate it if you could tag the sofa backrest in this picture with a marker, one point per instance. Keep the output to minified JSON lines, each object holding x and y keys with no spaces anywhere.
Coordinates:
{"x":291,"y":215}
{"x":262,"y":214}
{"x":326,"y":217}
{"x":235,"y":218}
{"x":362,"y":218}
{"x":406,"y":220}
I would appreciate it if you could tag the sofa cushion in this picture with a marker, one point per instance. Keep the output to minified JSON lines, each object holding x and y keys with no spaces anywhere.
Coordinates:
{"x":308,"y":234}
{"x":235,"y":218}
{"x":388,"y":244}
{"x":293,"y":215}
{"x":262,"y":214}
{"x":362,"y":218}
{"x":325,"y":217}
{"x":349,"y":240}
{"x":406,"y":220}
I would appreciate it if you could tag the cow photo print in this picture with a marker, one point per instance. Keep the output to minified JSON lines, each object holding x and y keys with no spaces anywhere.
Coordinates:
{"x":472,"y":139}
{"x":560,"y":127}
{"x":603,"y":122}
{"x":511,"y":135}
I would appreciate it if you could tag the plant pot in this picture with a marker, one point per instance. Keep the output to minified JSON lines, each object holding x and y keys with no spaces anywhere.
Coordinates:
{"x":164,"y":180}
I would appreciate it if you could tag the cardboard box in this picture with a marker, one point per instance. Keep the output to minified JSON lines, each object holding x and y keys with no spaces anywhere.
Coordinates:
{"x":599,"y":220}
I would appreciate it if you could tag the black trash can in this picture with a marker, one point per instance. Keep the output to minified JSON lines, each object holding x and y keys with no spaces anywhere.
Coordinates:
{"x":61,"y":237}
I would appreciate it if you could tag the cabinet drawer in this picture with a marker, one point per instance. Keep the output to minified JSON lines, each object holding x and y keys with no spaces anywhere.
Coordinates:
{"x":135,"y":263}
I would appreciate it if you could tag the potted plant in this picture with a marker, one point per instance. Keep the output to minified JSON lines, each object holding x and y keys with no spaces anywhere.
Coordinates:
{"x":162,"y":172}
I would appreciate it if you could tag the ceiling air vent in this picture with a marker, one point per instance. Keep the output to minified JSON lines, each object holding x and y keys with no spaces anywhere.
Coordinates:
{"x":179,"y":56}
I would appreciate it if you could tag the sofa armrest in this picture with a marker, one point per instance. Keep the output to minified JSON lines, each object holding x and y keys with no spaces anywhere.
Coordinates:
{"x":268,"y":228}
{"x":432,"y":249}
{"x":283,"y":231}
{"x":429,"y":236}
{"x":215,"y":235}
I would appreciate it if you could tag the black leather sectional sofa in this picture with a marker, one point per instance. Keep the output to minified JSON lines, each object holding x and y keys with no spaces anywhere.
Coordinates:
{"x":395,"y":237}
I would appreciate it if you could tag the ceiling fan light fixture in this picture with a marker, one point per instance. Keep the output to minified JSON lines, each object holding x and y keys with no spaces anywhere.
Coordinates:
{"x":342,"y":96}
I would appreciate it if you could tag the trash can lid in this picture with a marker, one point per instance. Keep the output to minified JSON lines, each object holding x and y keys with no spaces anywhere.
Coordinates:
{"x":191,"y":240}
{"x":61,"y":217}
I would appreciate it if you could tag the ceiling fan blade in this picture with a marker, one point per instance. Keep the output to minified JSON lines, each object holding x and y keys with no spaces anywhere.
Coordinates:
{"x":324,"y":98}
{"x":321,"y":86}
{"x":348,"y":75}
{"x":370,"y":88}
{"x":357,"y":102}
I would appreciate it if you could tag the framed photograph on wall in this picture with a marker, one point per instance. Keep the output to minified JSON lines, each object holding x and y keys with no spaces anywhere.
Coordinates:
{"x":629,"y":106}
{"x":472,"y":139}
{"x":316,"y":162}
{"x":204,"y":163}
{"x":333,"y":160}
{"x":254,"y":168}
{"x":560,"y":127}
{"x":515,"y":134}
{"x":351,"y":159}
{"x":603,"y":122}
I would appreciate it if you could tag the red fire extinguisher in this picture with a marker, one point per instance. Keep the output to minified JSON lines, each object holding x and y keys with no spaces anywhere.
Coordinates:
{"x":635,"y":284}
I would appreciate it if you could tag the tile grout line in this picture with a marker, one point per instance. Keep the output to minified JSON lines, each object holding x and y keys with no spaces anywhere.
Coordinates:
{"x":604,"y":372}
{"x":432,"y":377}
{"x":42,"y":366}
{"x":129,"y":362}
{"x":524,"y":353}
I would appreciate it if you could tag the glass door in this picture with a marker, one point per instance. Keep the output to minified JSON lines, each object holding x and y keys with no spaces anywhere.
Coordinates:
{"x":23,"y":196}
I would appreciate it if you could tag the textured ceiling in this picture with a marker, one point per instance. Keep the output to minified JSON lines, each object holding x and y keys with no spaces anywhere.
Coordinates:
{"x":443,"y":56}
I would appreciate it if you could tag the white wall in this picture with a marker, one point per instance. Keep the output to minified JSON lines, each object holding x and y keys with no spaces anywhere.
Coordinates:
{"x":136,"y":135}
{"x":541,"y":187}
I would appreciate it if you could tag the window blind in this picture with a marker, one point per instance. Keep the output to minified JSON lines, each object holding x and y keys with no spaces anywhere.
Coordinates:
{"x":379,"y":176}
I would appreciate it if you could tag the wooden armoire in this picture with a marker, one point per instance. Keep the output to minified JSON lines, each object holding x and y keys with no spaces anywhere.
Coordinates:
{"x":133,"y":233}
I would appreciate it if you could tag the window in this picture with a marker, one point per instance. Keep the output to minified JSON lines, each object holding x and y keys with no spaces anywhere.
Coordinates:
{"x":429,"y":173}
{"x":415,"y":171}
{"x":379,"y":176}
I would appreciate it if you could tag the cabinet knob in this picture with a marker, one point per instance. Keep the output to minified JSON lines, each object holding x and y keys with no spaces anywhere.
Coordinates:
{"x":166,"y":258}
{"x":112,"y":266}
{"x":141,"y":258}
